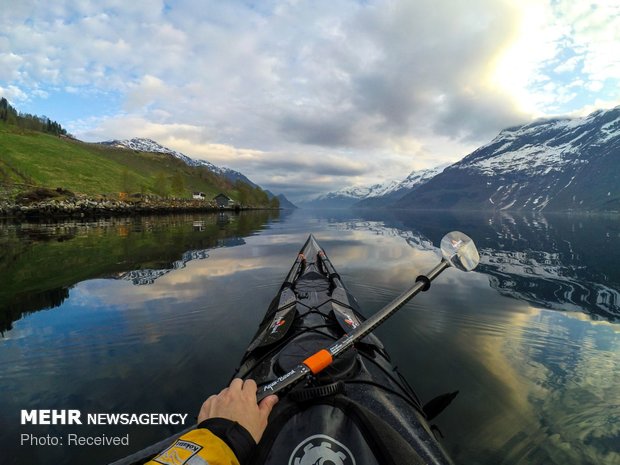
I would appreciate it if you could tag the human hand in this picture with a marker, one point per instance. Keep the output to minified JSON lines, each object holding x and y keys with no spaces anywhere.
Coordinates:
{"x":237,"y":402}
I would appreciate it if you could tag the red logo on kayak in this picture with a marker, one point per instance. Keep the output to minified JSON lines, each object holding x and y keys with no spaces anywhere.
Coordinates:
{"x":277,"y":323}
{"x":350,"y":321}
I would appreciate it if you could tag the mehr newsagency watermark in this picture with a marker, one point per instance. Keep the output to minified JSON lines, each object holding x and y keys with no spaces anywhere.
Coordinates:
{"x":76,"y":417}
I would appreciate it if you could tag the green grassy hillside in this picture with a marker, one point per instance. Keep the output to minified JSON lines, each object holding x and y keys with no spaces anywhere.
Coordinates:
{"x":34,"y":159}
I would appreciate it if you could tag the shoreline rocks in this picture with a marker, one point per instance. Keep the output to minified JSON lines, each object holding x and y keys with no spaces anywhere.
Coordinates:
{"x":88,"y":207}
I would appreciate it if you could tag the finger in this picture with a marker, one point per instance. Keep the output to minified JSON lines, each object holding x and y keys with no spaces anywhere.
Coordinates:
{"x":250,"y":386}
{"x":267,"y":404}
{"x":205,"y":410}
{"x":209,"y":399}
{"x":236,"y":384}
{"x":207,"y":403}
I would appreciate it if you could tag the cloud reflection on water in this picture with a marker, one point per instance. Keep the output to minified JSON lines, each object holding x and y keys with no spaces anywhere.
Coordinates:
{"x":537,"y":386}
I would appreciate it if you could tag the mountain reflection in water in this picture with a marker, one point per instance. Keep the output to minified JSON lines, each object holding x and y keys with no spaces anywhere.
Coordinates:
{"x":40,"y":262}
{"x":560,"y":262}
{"x":531,"y":339}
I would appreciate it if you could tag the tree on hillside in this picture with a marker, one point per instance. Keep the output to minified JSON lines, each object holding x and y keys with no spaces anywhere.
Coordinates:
{"x":54,"y":128}
{"x":161,"y":185}
{"x":274,"y":203}
{"x":9,"y":115}
{"x":244,"y":193}
{"x":260,"y":196}
{"x":250,"y":195}
{"x":128,"y":181}
{"x":178,"y":184}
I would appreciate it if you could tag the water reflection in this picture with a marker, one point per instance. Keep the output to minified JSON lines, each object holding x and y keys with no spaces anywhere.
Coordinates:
{"x":558,"y":262}
{"x":40,"y":263}
{"x":537,"y":385}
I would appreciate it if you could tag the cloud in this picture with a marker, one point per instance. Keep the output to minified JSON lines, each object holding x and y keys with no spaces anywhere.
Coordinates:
{"x":13,"y":93}
{"x":319,"y":76}
{"x":383,"y":74}
{"x":148,"y":91}
{"x":569,"y":65}
{"x":412,"y":83}
{"x":593,"y":28}
{"x":284,"y":171}
{"x":568,"y":42}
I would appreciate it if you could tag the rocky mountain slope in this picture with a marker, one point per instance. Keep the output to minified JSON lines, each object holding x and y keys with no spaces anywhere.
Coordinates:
{"x":285,"y":203}
{"x":552,"y":165}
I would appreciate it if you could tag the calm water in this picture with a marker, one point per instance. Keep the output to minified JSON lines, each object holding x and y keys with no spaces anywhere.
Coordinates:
{"x":152,"y":314}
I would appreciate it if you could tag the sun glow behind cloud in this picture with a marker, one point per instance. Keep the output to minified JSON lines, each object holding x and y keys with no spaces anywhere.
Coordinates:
{"x":518,"y":64}
{"x":563,"y":60}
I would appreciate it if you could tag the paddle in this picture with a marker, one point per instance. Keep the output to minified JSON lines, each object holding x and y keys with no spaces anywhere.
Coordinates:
{"x":457,"y":250}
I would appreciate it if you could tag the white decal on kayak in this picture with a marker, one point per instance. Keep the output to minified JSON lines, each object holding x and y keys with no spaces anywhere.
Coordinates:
{"x":269,"y":387}
{"x":321,"y":449}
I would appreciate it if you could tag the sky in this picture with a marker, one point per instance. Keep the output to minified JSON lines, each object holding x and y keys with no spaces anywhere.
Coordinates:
{"x":309,"y":96}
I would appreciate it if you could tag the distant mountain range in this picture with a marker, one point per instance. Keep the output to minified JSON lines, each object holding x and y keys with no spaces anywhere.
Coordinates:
{"x":375,"y":195}
{"x":398,"y":190}
{"x":561,"y":164}
{"x":149,"y":145}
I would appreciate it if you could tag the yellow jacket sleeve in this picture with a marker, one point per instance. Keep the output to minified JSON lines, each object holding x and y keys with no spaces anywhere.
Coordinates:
{"x":198,"y":447}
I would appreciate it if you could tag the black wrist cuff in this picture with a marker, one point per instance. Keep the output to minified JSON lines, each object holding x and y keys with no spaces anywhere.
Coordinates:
{"x":234,"y":435}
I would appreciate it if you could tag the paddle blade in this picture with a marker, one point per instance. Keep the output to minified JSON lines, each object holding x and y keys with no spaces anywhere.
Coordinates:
{"x":460,"y":251}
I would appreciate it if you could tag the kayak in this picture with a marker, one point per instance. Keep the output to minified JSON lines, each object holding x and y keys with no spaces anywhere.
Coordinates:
{"x":358,"y":410}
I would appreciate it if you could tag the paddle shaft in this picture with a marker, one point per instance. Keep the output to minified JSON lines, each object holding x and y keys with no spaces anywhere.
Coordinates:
{"x":323,"y":358}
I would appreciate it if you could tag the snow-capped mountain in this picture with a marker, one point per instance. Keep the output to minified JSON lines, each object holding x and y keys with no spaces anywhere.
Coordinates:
{"x":377,"y":194}
{"x":347,"y":196}
{"x":557,"y":164}
{"x":417,"y":178}
{"x":149,"y":145}
{"x":396,"y":190}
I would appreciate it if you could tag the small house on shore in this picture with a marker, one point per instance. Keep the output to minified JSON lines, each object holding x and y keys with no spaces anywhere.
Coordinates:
{"x":199,"y":195}
{"x":223,"y":201}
